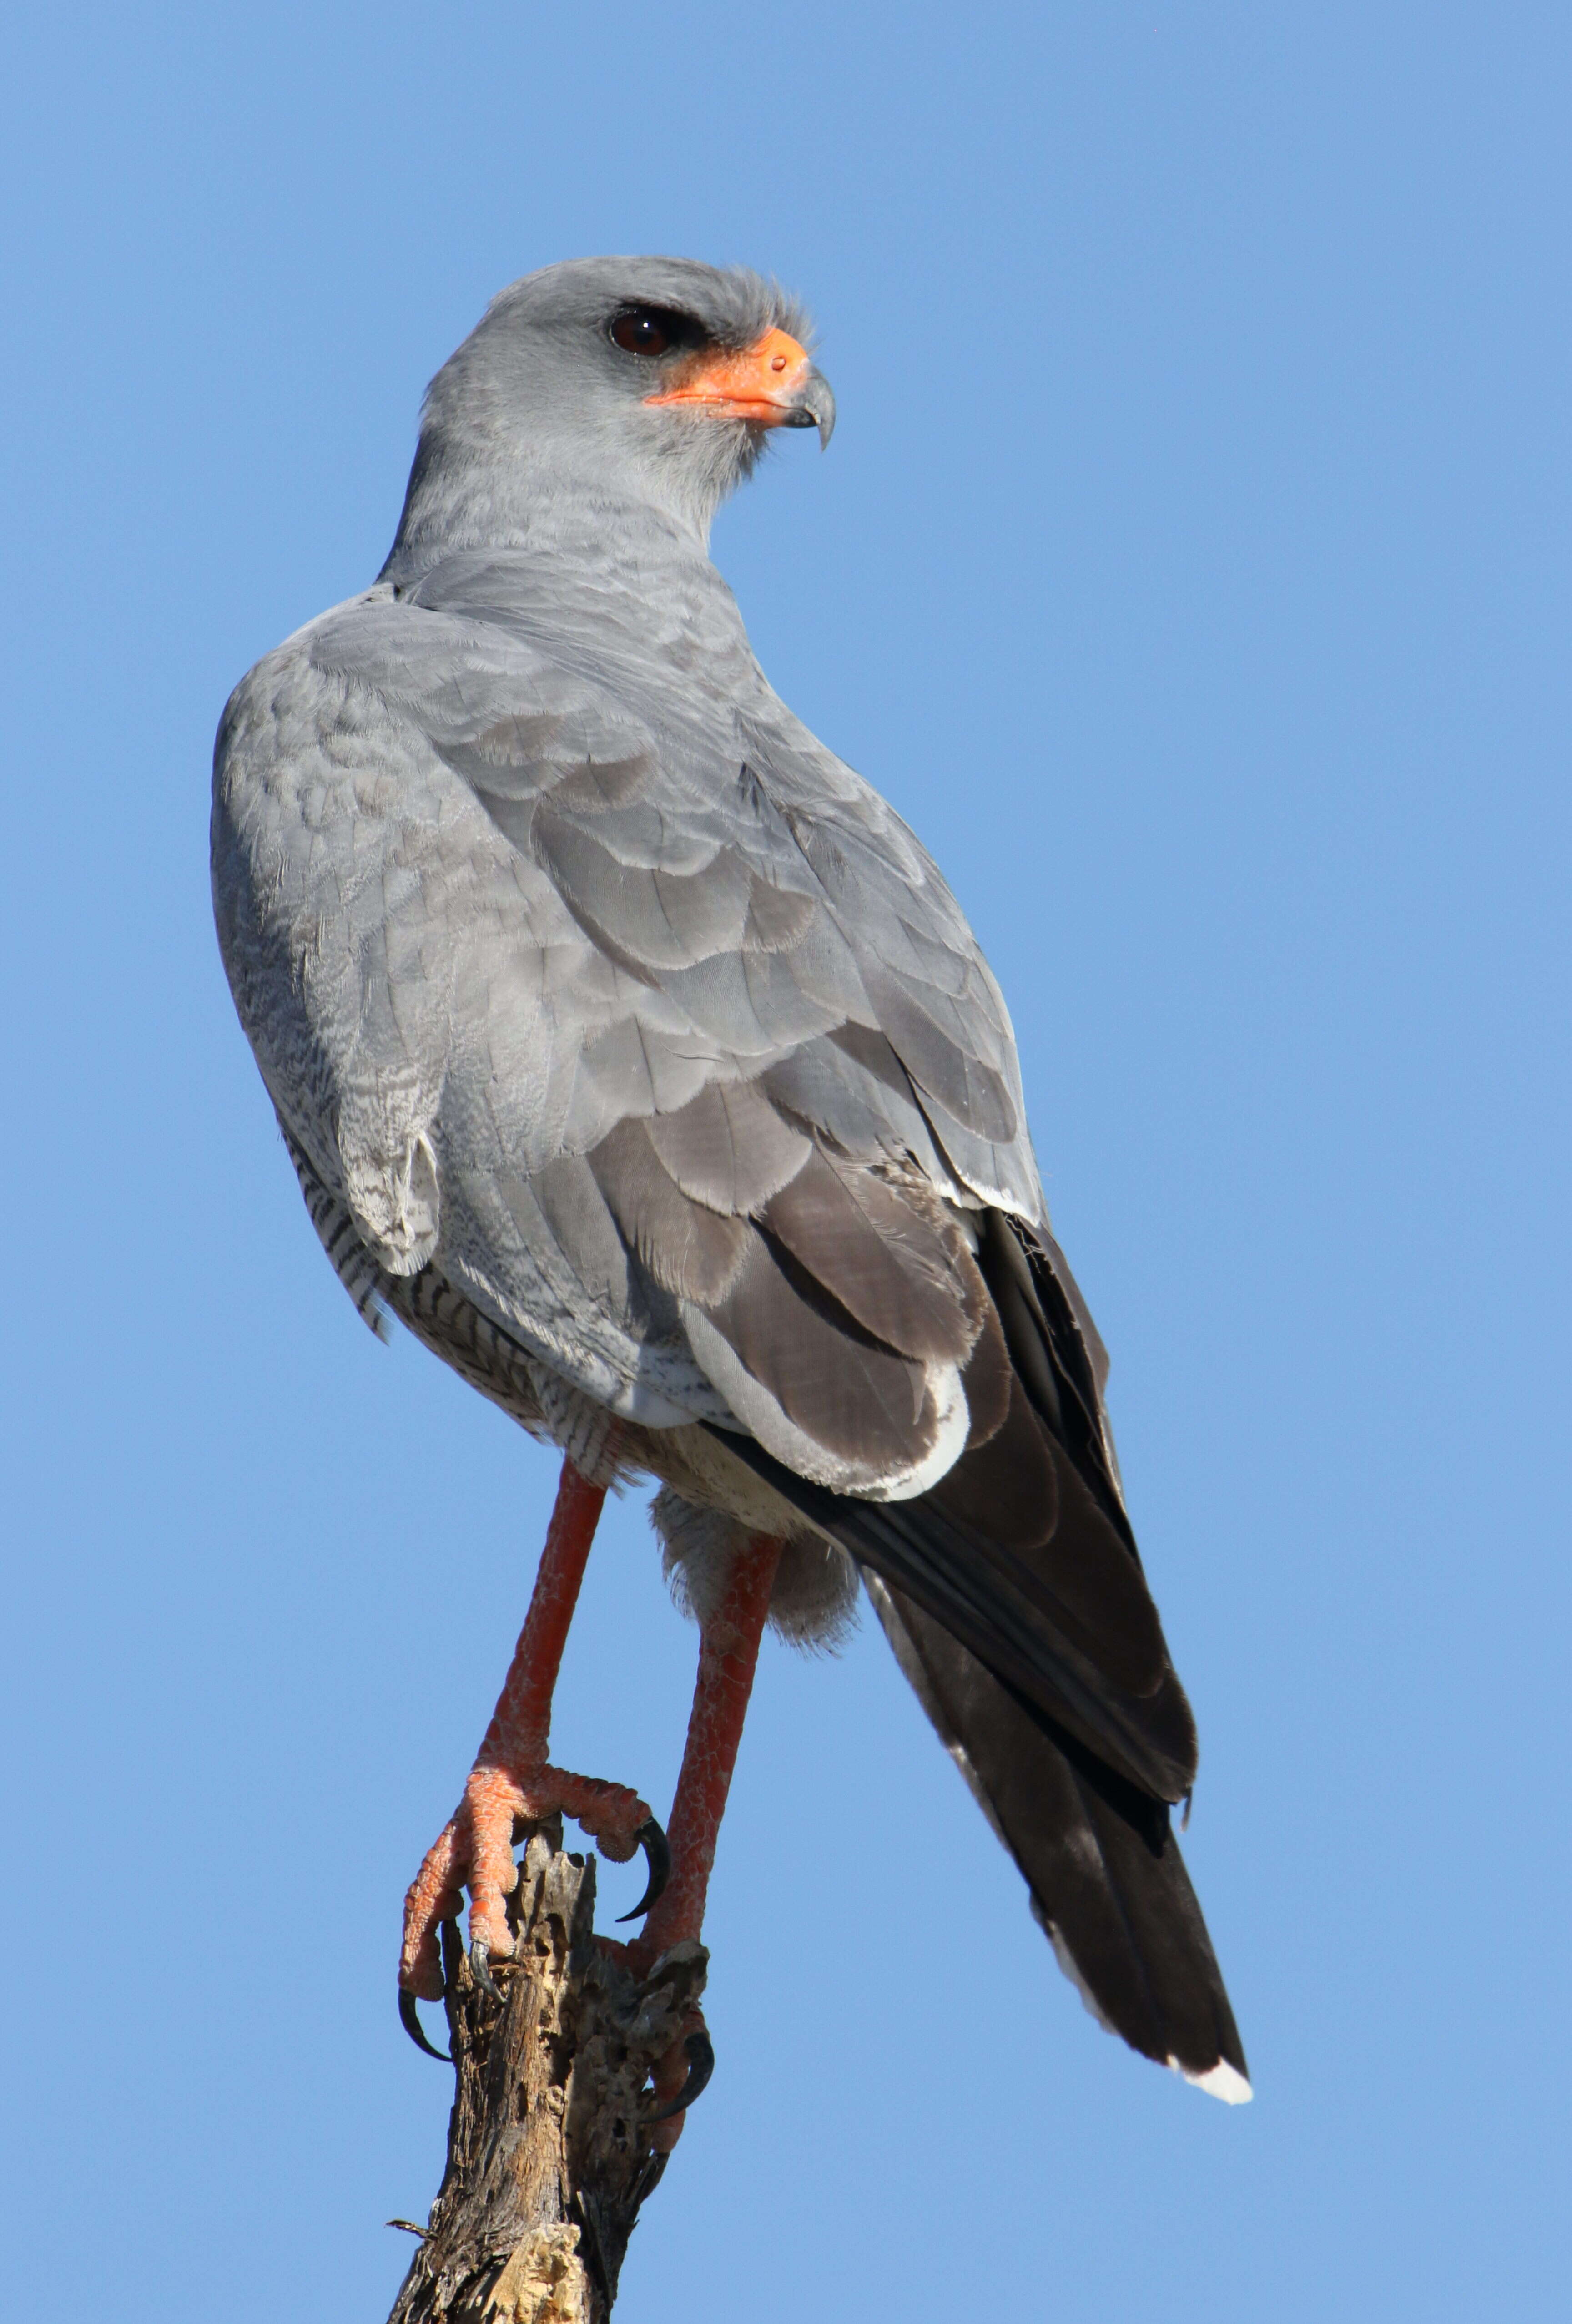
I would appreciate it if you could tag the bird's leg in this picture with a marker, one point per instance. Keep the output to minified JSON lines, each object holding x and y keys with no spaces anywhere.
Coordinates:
{"x":511,"y":1781}
{"x":728,"y":1657}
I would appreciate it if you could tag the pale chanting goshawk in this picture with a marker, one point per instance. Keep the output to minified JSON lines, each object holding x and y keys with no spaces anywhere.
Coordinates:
{"x":635,"y":1055}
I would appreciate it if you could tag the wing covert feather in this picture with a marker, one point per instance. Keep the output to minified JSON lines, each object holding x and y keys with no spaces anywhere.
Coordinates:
{"x":661,"y":935}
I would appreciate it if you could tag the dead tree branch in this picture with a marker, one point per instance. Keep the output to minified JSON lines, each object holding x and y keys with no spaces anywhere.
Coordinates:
{"x":549,"y":2151}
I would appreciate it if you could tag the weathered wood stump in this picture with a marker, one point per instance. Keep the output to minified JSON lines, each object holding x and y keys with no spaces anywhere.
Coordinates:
{"x":549,"y":2151}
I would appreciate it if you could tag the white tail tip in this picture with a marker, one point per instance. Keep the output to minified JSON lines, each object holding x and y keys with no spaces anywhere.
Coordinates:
{"x":1220,"y":2081}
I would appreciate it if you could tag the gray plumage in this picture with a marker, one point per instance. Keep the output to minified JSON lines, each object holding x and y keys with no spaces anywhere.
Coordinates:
{"x":527,"y":885}
{"x":634,"y":1052}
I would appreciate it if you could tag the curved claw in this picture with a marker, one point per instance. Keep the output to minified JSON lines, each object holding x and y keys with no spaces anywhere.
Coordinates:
{"x":480,"y":1969}
{"x":657,"y":1857}
{"x":650,"y":2178}
{"x":410,"y":2019}
{"x":700,"y":2051}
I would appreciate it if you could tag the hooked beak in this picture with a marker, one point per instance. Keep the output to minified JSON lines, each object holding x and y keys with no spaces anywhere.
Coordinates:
{"x":772,"y":385}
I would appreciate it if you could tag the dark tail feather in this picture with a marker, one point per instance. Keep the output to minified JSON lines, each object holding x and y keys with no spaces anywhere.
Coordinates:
{"x":1108,"y":1883}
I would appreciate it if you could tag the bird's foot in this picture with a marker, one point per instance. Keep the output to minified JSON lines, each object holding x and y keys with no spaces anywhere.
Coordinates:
{"x":682,"y":2074}
{"x":475,"y":1850}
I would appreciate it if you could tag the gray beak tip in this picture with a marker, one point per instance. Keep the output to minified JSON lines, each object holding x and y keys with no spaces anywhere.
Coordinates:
{"x":821,"y":403}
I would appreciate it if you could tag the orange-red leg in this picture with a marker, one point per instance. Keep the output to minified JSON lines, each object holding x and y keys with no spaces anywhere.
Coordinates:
{"x":511,"y":1781}
{"x":728,"y":1658}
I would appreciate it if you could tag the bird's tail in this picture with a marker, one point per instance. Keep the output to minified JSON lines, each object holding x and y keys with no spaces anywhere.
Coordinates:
{"x":1108,"y":1883}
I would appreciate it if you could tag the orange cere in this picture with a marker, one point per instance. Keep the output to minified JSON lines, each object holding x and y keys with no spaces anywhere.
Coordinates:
{"x":757,"y":382}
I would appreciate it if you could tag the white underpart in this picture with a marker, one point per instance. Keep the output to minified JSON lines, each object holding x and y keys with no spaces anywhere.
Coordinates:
{"x":813,"y":1603}
{"x":1220,"y":2081}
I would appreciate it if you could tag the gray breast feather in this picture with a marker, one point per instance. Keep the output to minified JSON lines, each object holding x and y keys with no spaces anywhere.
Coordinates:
{"x":562,"y":983}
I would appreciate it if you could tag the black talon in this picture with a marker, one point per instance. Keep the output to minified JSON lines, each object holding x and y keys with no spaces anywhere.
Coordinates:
{"x":657,"y":1857}
{"x":410,"y":2019}
{"x":700,"y":2053}
{"x":650,"y":2178}
{"x":480,"y":1969}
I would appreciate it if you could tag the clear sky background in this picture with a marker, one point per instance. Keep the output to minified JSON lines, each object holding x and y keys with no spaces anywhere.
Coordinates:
{"x":1191,"y":568}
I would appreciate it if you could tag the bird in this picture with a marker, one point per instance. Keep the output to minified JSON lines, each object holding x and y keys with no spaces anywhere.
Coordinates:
{"x":633,"y":1054}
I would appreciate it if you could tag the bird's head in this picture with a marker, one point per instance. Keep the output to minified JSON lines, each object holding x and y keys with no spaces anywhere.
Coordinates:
{"x":634,"y":381}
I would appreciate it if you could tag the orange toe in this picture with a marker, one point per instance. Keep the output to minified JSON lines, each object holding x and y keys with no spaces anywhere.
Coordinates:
{"x":475,"y":1851}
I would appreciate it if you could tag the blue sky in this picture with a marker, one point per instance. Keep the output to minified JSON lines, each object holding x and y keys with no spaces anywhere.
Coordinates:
{"x":1191,"y":568}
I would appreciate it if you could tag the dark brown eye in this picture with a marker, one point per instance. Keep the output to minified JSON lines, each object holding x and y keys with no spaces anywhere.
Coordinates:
{"x":644,"y":331}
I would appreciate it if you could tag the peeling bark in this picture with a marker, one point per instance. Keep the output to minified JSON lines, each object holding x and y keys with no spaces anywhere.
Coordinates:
{"x":550,"y":2150}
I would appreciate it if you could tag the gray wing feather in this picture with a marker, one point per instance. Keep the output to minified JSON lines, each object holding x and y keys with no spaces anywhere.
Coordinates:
{"x":730,"y":1148}
{"x":694,"y":1252}
{"x":650,"y":1021}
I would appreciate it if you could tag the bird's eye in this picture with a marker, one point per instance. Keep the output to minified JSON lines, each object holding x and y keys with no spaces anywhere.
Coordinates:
{"x":643,"y":331}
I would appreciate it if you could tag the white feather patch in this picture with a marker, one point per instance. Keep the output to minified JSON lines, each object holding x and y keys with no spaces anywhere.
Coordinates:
{"x":943,"y":1385}
{"x":763,"y":1417}
{"x":394,"y":1196}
